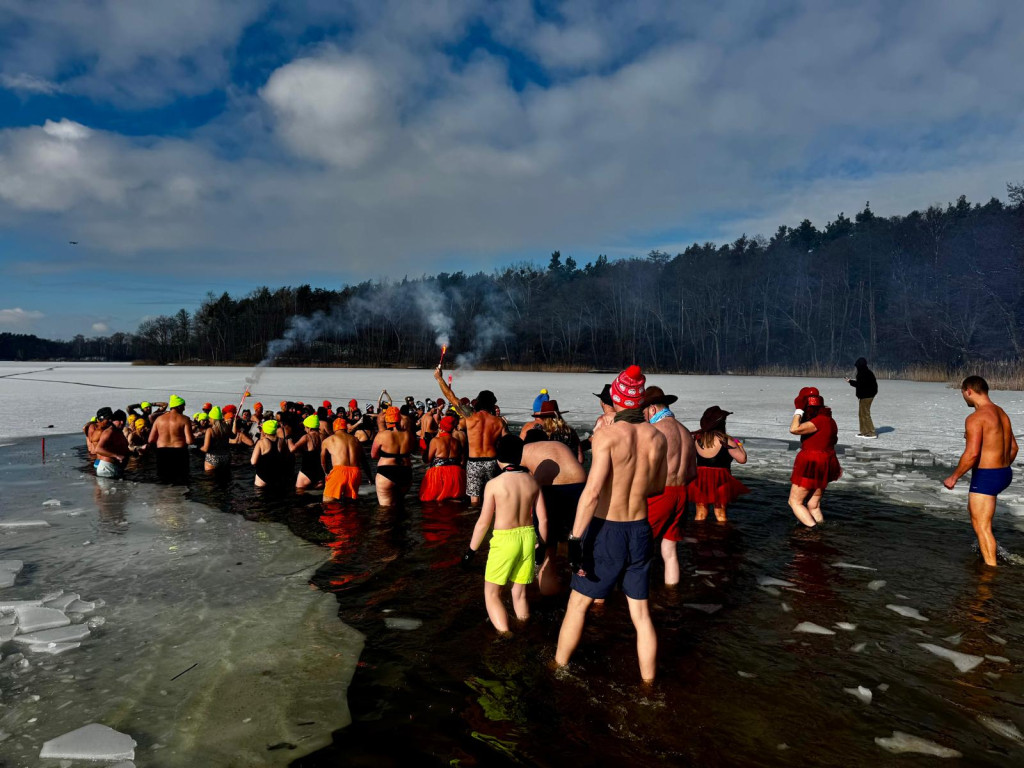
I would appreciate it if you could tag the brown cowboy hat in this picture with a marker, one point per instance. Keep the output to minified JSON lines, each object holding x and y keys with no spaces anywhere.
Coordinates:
{"x":549,"y":408}
{"x":657,"y":396}
{"x":712,"y":418}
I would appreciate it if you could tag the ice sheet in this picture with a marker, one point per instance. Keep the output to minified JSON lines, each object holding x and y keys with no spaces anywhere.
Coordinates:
{"x":964,"y":662}
{"x":907,"y":611}
{"x":90,"y":742}
{"x":35,"y":619}
{"x":901,"y":742}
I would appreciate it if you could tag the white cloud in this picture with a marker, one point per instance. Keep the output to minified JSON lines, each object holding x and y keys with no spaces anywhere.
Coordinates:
{"x":329,"y":109}
{"x":26,"y":83}
{"x":100,"y":327}
{"x":18,"y":316}
{"x":67,"y":130}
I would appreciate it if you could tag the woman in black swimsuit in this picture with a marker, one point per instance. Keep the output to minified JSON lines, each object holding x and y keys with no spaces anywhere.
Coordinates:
{"x":715,"y":487}
{"x":311,"y":473}
{"x":266,"y":456}
{"x":392,"y":448}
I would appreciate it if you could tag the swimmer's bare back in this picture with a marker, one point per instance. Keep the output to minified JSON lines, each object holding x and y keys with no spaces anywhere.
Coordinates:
{"x":628,"y":465}
{"x":997,"y":441}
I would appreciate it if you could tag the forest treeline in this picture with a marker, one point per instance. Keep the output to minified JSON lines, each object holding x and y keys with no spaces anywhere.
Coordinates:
{"x":942,"y":287}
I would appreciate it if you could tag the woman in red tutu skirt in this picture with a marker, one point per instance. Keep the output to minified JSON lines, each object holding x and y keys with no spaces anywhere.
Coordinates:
{"x":445,"y":477}
{"x":715,"y":487}
{"x":816,"y":464}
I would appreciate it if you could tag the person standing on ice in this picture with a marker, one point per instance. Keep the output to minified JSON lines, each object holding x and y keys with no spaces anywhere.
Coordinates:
{"x":816,"y":464}
{"x":991,"y":449}
{"x":866,"y":387}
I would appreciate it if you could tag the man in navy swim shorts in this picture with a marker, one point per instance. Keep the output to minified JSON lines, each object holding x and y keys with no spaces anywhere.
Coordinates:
{"x":991,"y":449}
{"x":611,"y":542}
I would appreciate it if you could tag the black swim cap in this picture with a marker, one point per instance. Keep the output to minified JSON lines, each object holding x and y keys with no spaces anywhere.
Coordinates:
{"x":486,"y":401}
{"x":510,"y":449}
{"x":119,"y":416}
{"x":104,"y":413}
{"x":536,"y":435}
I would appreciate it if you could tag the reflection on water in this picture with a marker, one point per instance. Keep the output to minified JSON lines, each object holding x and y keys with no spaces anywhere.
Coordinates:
{"x":736,"y":684}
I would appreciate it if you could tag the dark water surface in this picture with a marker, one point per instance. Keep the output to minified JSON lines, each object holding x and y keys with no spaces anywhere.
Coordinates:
{"x":736,"y":686}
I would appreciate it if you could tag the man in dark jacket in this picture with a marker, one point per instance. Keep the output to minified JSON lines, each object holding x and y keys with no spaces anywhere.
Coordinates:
{"x":866,"y":387}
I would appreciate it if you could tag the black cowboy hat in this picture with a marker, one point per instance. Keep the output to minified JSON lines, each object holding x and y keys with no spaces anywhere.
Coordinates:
{"x":605,"y":395}
{"x":657,"y":396}
{"x":713,"y":417}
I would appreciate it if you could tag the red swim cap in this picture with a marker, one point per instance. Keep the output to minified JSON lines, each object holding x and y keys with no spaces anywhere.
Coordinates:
{"x":628,"y":388}
{"x":327,"y":404}
{"x":229,"y":408}
{"x":353,"y":404}
{"x":447,"y":424}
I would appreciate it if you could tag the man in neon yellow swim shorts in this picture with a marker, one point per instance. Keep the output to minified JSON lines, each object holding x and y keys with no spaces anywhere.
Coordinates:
{"x":510,"y":500}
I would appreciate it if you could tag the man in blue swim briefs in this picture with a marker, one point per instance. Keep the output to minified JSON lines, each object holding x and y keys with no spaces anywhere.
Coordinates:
{"x":611,"y":542}
{"x":991,"y":449}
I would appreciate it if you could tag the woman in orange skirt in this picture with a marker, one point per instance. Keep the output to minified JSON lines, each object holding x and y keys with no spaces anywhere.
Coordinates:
{"x":445,"y":477}
{"x":816,"y":463}
{"x":715,"y":487}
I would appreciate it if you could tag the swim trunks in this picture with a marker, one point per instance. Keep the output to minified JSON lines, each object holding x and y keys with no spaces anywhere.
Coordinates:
{"x":615,"y":554}
{"x":478,"y":472}
{"x":107,"y":469}
{"x":511,"y":556}
{"x":991,"y":482}
{"x":343,"y":483}
{"x":561,"y":502}
{"x":665,"y":513}
{"x":172,"y":465}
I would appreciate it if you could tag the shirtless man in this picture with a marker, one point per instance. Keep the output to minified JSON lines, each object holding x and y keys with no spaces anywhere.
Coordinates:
{"x":95,"y":428}
{"x":666,"y":510}
{"x":607,"y":408}
{"x":112,"y":449}
{"x":510,"y":500}
{"x":346,"y":455}
{"x":561,"y":478}
{"x":428,"y":431}
{"x":991,"y":449}
{"x":171,"y":435}
{"x":611,"y":522}
{"x":483,"y":429}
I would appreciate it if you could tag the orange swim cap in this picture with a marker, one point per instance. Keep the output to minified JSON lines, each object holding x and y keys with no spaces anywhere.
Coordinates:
{"x":340,"y":424}
{"x":391,"y":415}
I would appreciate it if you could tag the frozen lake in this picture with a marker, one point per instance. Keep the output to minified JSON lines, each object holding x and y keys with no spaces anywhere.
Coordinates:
{"x":209,"y":646}
{"x":908,"y":414}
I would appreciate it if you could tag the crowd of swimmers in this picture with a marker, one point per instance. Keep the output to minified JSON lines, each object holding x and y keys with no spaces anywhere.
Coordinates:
{"x":548,"y":516}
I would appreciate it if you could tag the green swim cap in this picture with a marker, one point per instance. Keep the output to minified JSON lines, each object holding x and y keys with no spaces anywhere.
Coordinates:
{"x":270,"y":427}
{"x":93,"y":419}
{"x":311,"y":422}
{"x":215,"y":414}
{"x":144,"y":404}
{"x":175,"y":401}
{"x":202,"y":416}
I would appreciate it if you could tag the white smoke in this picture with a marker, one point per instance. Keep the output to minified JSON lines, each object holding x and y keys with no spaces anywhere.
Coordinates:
{"x":431,"y":304}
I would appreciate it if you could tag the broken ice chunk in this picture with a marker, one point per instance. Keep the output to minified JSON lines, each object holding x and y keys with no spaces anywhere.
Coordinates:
{"x":854,"y":567}
{"x":90,"y":742}
{"x":80,"y":606}
{"x":812,"y":629}
{"x":1002,"y":727}
{"x":54,"y":649}
{"x":51,"y":503}
{"x":860,"y":693}
{"x":395,"y":622}
{"x":846,"y":625}
{"x":786,"y":608}
{"x":7,"y":578}
{"x":704,"y":607}
{"x":997,"y":639}
{"x":7,"y":632}
{"x":954,"y":639}
{"x":35,"y":619}
{"x":62,"y":602}
{"x":876,"y":585}
{"x":770,"y":581}
{"x":901,"y":742}
{"x":997,"y":659}
{"x":771,"y":591}
{"x":59,"y":635}
{"x":11,"y":566}
{"x":858,"y":647}
{"x":746,"y":675}
{"x":962,"y":661}
{"x":883,"y":687}
{"x":905,"y":610}
{"x":17,"y":525}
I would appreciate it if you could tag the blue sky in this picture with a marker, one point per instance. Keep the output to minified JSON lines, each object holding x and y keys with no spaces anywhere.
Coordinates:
{"x":208,"y":145}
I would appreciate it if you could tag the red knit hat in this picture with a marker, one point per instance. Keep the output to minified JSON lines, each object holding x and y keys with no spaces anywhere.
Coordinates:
{"x":628,"y":388}
{"x":447,"y":424}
